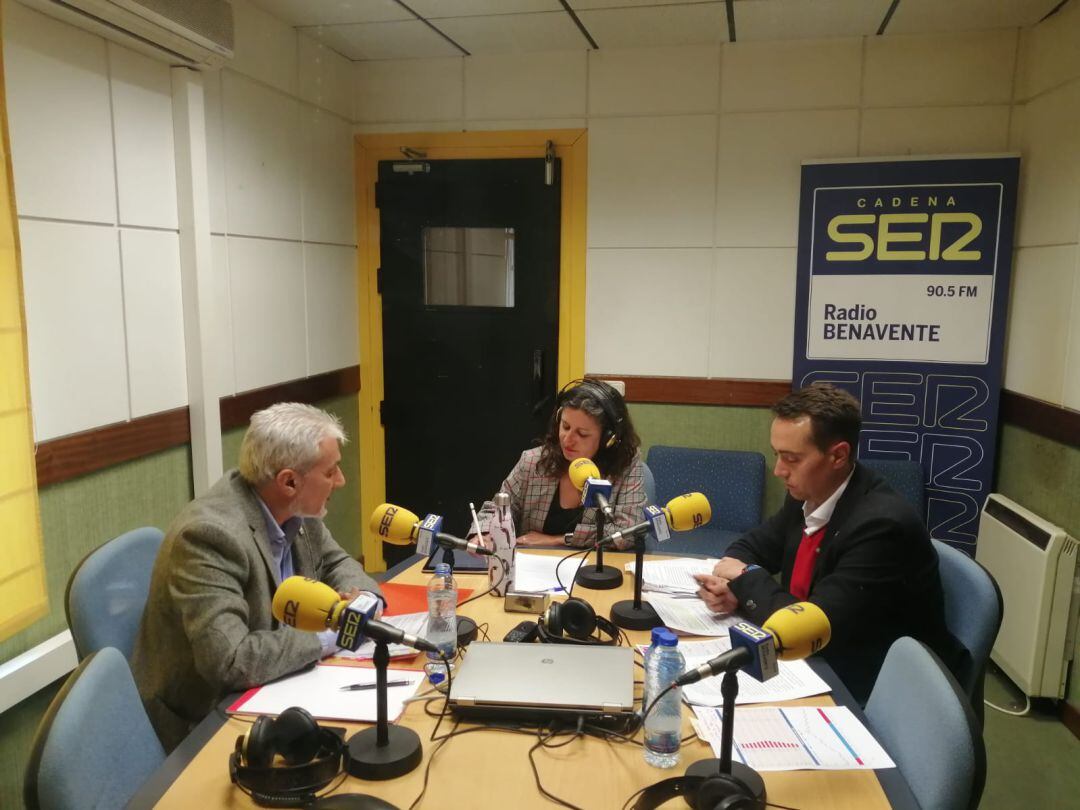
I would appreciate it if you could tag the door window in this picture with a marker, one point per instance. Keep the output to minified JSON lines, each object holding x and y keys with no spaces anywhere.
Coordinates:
{"x":469,"y":267}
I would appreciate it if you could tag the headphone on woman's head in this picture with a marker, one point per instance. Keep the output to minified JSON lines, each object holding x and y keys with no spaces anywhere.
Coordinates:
{"x":605,"y":396}
{"x":574,"y":622}
{"x":312,"y":754}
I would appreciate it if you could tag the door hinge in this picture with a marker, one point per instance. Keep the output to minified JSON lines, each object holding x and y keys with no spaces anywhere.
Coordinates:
{"x":378,"y":280}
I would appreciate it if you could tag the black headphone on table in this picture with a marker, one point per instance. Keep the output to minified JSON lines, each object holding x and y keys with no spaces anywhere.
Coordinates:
{"x":608,"y":399}
{"x":574,"y":622}
{"x":312,"y":757}
{"x":721,"y":791}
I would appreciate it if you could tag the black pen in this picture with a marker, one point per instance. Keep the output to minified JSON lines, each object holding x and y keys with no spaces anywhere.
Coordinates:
{"x":360,"y":687}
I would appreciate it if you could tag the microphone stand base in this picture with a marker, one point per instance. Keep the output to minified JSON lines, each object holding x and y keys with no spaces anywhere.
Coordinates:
{"x":599,"y":578}
{"x":625,"y":615}
{"x":366,"y":759}
{"x":744,"y":773}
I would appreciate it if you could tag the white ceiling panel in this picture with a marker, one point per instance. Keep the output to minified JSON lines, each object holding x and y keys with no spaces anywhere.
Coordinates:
{"x":436,"y":9}
{"x":409,"y":39}
{"x":514,"y":33}
{"x":798,"y":19}
{"x":583,"y":5}
{"x":657,"y":25}
{"x":927,"y":16}
{"x":302,"y":13}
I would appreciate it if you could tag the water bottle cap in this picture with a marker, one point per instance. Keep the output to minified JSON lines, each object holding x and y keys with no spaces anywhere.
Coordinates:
{"x":442,"y":569}
{"x":656,"y":631}
{"x":667,"y":638}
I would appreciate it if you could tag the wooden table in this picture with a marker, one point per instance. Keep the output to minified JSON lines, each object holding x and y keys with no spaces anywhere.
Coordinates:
{"x":492,"y":768}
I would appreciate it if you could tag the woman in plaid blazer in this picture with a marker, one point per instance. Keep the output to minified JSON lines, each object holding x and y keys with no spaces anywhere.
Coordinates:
{"x":590,"y":421}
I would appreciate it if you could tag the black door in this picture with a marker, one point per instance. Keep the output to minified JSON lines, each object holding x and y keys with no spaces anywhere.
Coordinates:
{"x":470,"y":288}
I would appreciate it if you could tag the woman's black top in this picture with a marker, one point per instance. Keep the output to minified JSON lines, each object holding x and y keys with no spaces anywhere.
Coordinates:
{"x":561,"y":521}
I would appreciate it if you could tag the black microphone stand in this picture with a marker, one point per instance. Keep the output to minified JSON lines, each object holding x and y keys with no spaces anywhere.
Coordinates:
{"x":729,"y":688}
{"x":633,"y":614}
{"x":386,"y":751}
{"x":598,"y":577}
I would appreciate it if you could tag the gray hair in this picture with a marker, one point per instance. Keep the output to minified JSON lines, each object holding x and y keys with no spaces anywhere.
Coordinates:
{"x":285,"y":435}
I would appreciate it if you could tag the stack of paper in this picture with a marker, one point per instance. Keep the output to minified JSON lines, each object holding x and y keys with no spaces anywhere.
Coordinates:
{"x":414,"y":623}
{"x":535,"y":573}
{"x":685,"y":613}
{"x":795,"y":679}
{"x":675,"y":576}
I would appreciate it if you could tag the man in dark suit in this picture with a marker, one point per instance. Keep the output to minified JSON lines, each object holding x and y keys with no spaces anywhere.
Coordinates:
{"x":843,"y":540}
{"x":207,"y":628}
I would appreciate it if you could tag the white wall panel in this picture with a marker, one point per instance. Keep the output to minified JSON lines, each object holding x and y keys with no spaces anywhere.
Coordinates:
{"x":225,"y":373}
{"x":142,"y":121}
{"x":790,"y":75}
{"x":326,"y":77}
{"x":1072,"y":351}
{"x":265,"y":48}
{"x":531,"y":85}
{"x":1049,"y":198}
{"x":648,"y":311}
{"x":75,"y":326}
{"x":526,"y":123}
{"x":58,"y":112}
{"x":266,"y":279}
{"x":154,"y":320}
{"x":652,"y":181}
{"x":215,"y":150}
{"x":332,"y":325}
{"x":1044,"y":281}
{"x":329,"y":197}
{"x":654,"y":80}
{"x":410,"y":90}
{"x":934,"y":130}
{"x":753,"y":313}
{"x":411,"y":126}
{"x":946,"y":69}
{"x":262,"y":160}
{"x":760,"y":165}
{"x":1050,"y":53}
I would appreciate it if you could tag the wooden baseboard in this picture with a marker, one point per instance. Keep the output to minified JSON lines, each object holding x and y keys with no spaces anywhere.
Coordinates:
{"x":71,"y":456}
{"x":1070,"y":716}
{"x":1051,"y":421}
{"x":701,"y":391}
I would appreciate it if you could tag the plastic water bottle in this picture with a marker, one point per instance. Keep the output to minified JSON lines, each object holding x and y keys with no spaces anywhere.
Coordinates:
{"x":442,"y":620}
{"x":663,"y":725}
{"x":653,"y":644}
{"x":503,"y":538}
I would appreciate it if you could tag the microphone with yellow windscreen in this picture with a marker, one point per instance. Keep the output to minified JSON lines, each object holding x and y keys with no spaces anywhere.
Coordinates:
{"x":394,"y":524}
{"x":799,"y":630}
{"x":595,"y":490}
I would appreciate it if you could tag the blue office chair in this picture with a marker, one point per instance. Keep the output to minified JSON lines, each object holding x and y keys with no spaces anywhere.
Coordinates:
{"x":973,"y":612}
{"x":732,"y":480}
{"x":920,"y":715}
{"x":650,"y":484}
{"x":107,"y":592}
{"x":903,"y":475}
{"x":95,"y":745}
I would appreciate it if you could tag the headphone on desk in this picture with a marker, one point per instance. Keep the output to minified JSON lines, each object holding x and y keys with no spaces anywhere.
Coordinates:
{"x":605,"y":396}
{"x":574,"y":622}
{"x":721,"y":791}
{"x":312,"y":759}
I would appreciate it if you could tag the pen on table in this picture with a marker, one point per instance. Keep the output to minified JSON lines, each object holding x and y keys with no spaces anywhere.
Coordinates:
{"x":360,"y":687}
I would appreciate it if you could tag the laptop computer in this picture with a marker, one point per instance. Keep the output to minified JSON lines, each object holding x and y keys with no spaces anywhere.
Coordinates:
{"x":544,"y":682}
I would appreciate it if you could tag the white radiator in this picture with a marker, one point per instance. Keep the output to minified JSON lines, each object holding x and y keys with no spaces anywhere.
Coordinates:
{"x":1034,"y":563}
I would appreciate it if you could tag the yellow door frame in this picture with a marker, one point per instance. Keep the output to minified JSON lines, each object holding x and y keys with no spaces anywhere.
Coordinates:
{"x":571,"y":145}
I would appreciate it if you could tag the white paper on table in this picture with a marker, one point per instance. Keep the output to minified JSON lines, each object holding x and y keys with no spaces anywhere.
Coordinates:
{"x":672,"y":576}
{"x":319,"y":691}
{"x":535,"y":573}
{"x":688,"y":614}
{"x":819,"y":738}
{"x":414,"y":623}
{"x":794,"y":680}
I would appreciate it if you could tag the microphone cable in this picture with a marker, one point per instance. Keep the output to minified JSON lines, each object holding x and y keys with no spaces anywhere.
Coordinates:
{"x":492,"y":586}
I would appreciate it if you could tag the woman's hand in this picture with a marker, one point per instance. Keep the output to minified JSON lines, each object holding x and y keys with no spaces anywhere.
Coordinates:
{"x":538,"y":539}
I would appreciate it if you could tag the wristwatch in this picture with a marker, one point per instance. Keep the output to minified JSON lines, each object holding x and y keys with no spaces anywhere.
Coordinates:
{"x":750,"y":568}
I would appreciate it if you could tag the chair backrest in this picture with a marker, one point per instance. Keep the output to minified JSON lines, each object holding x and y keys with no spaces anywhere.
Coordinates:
{"x":732,"y":480}
{"x":95,"y":745}
{"x":973,"y":613}
{"x":919,"y":714}
{"x":107,"y":592}
{"x":650,"y":484}
{"x":903,"y":475}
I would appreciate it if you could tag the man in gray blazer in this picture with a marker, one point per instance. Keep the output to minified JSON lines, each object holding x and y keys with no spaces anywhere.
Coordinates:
{"x":207,"y":627}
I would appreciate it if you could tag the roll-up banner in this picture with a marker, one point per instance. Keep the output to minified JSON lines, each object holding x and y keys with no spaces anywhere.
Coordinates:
{"x":903,"y":280}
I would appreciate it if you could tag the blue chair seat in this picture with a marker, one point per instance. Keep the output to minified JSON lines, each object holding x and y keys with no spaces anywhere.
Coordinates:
{"x":708,"y":541}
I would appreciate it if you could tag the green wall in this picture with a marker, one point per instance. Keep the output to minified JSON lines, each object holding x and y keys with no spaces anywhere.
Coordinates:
{"x":79,"y":515}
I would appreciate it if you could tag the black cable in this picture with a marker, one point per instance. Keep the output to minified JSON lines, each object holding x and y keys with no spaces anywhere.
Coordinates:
{"x":493,"y":586}
{"x":536,"y":772}
{"x":558,"y":565}
{"x":427,"y":768}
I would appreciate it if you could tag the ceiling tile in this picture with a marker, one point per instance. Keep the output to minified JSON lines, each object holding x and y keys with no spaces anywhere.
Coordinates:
{"x":798,"y":19}
{"x":927,"y":16}
{"x":437,"y":9}
{"x":300,"y":13}
{"x":657,"y":25}
{"x":514,"y":33}
{"x":410,"y":39}
{"x":583,"y":5}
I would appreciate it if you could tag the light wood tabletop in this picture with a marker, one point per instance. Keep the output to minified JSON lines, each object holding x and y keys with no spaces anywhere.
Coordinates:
{"x":487,"y":767}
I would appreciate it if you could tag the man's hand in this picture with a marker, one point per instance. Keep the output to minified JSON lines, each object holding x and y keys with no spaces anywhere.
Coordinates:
{"x":348,"y":596}
{"x":728,"y":568}
{"x":715,"y":593}
{"x":538,"y":539}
